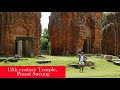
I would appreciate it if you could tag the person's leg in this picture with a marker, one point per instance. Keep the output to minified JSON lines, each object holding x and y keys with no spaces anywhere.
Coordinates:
{"x":82,"y":68}
{"x":79,"y":67}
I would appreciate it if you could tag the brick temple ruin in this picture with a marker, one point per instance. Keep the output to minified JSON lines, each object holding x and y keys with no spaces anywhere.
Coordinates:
{"x":111,"y":35}
{"x":71,"y":31}
{"x":20,"y":33}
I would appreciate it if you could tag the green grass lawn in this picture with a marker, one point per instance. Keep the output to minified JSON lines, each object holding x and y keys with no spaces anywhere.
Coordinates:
{"x":103,"y":68}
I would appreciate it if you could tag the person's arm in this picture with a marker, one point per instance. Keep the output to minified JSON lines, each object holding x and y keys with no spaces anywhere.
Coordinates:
{"x":85,"y":57}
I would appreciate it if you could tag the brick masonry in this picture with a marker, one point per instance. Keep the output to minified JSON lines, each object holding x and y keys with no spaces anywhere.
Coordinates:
{"x":71,"y":31}
{"x":18,"y":24}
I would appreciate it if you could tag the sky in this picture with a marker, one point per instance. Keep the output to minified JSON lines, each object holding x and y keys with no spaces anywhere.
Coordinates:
{"x":45,"y":19}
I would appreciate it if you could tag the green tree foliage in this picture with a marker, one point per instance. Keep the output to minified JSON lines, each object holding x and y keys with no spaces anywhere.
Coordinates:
{"x":45,"y":34}
{"x":104,"y":19}
{"x":45,"y":40}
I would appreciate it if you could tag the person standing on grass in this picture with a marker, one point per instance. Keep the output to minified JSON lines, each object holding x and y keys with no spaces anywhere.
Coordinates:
{"x":82,"y":59}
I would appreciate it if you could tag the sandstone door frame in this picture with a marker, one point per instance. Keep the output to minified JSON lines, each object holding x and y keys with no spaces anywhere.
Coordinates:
{"x":24,"y":46}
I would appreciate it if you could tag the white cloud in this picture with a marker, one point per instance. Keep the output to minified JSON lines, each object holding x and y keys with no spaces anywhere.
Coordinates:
{"x":45,"y":19}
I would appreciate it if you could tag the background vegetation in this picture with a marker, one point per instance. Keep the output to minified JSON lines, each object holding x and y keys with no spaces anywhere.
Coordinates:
{"x":45,"y":40}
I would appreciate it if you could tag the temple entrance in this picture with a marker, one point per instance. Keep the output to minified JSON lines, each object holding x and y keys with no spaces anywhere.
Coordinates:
{"x":86,"y":46}
{"x":24,"y":46}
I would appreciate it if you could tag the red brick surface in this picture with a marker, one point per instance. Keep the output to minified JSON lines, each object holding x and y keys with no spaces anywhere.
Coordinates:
{"x":68,"y":31}
{"x":18,"y":24}
{"x":111,"y":35}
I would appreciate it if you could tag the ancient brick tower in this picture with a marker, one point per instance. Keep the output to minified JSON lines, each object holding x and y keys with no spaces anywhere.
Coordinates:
{"x":71,"y":31}
{"x":20,"y":33}
{"x":111,"y":35}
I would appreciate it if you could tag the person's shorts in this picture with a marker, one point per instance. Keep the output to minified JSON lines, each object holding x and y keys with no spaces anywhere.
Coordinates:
{"x":81,"y":63}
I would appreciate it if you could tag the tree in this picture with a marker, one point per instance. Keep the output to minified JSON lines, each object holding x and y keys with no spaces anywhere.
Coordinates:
{"x":45,"y":34}
{"x":104,"y":19}
{"x":45,"y":40}
{"x":105,"y":14}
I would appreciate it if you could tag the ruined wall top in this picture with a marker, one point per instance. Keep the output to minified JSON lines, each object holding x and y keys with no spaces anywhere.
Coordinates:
{"x":113,"y":18}
{"x":80,"y":18}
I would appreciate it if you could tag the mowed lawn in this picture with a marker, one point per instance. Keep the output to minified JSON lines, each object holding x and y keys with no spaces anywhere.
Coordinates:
{"x":103,"y":68}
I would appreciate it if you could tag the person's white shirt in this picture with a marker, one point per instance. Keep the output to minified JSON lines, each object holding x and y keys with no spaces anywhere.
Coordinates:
{"x":81,"y":59}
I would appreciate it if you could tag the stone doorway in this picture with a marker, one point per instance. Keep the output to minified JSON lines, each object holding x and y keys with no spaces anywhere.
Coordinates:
{"x":86,"y":46}
{"x":24,"y":46}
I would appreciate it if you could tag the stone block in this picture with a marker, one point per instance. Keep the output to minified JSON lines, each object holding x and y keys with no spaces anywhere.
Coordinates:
{"x":43,"y":61}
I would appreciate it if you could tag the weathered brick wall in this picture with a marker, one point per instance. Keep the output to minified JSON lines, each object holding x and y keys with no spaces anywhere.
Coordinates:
{"x":18,"y":24}
{"x":111,"y":35}
{"x":69,"y":30}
